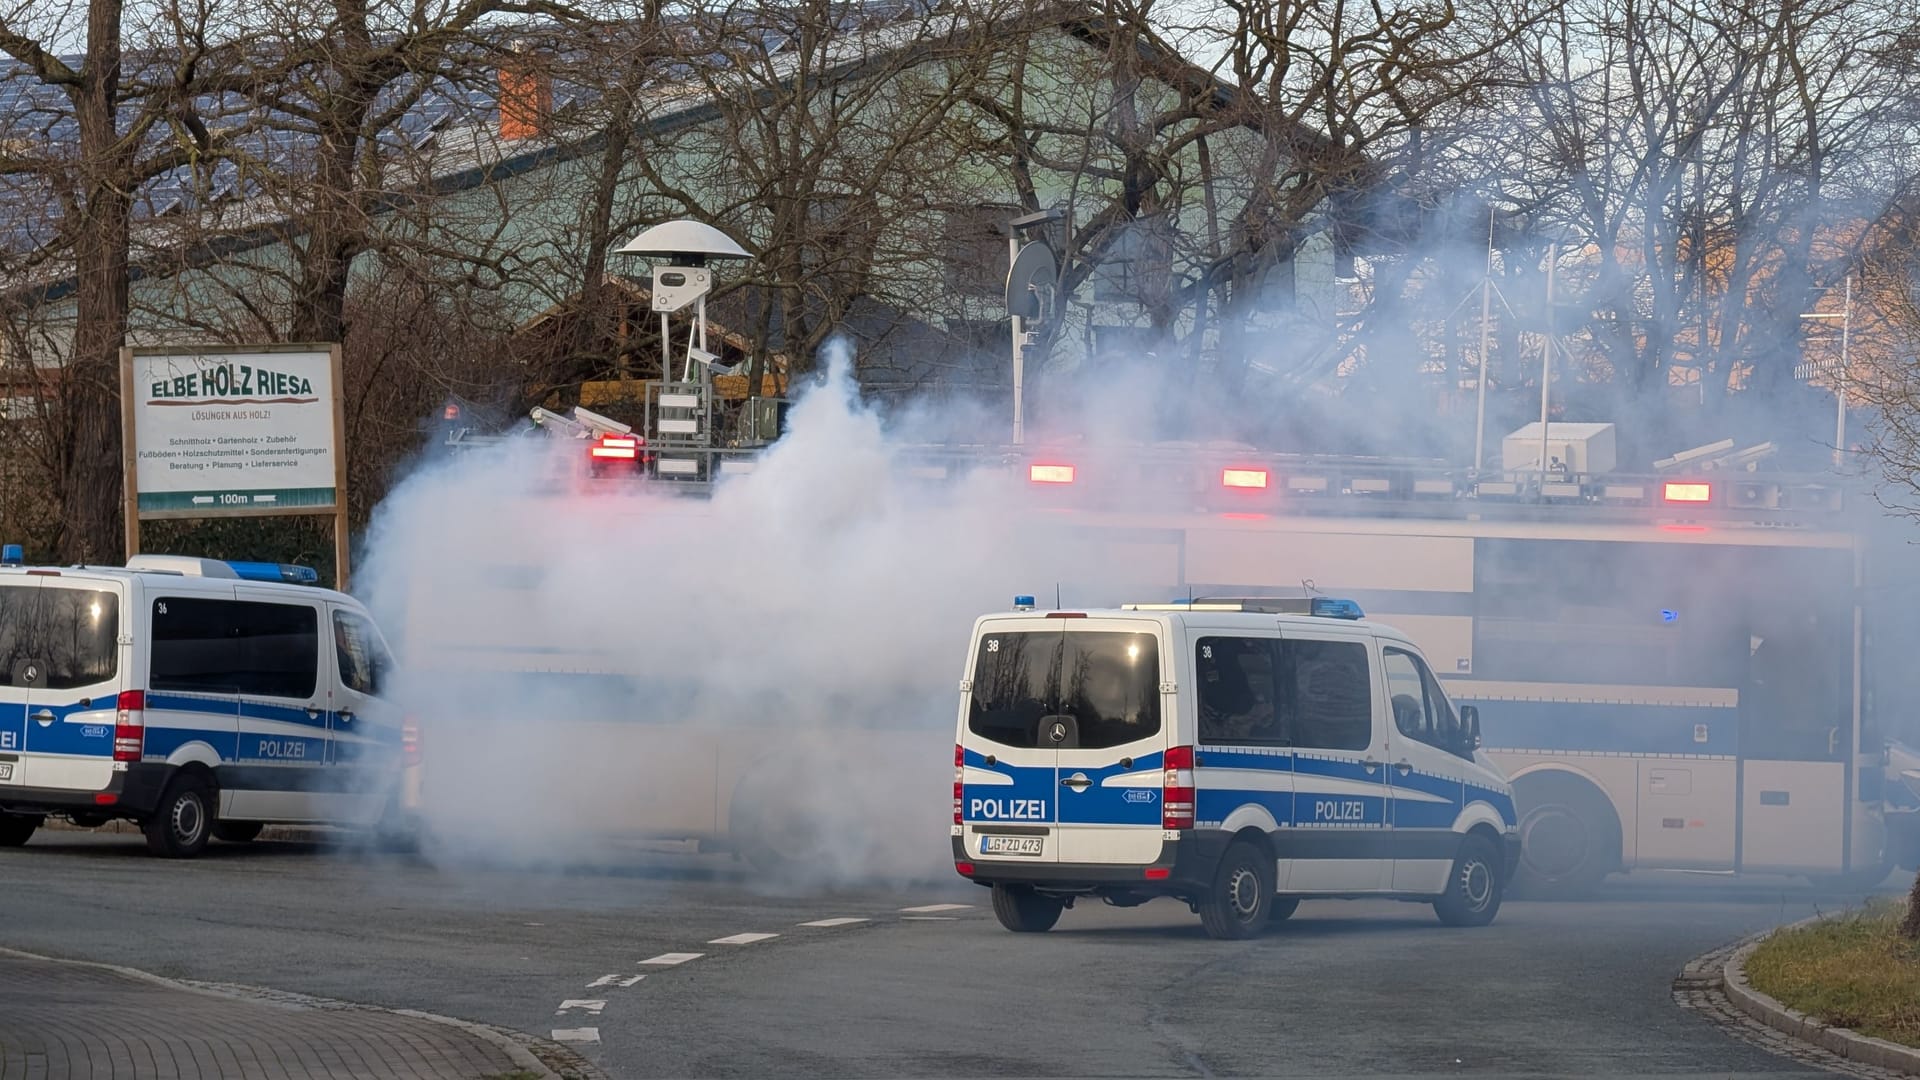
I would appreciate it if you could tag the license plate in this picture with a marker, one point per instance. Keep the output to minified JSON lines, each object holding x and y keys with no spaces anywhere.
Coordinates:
{"x":6,"y":770}
{"x":1011,"y":845}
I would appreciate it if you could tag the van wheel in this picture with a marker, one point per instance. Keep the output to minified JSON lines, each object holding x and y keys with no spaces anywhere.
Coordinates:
{"x":1242,"y":895}
{"x":182,"y":822}
{"x":17,"y":829}
{"x":1474,"y":888}
{"x":1024,"y":911}
{"x":1281,"y":908}
{"x":237,"y":832}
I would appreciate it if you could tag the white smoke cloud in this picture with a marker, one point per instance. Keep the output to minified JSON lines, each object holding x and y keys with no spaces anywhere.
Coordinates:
{"x":805,"y":628}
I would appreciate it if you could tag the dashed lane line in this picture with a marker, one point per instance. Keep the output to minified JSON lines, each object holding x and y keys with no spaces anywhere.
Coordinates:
{"x":928,"y":918}
{"x":833,"y":922}
{"x":615,"y":980}
{"x":741,"y":939}
{"x":591,"y":1008}
{"x":928,"y":909}
{"x":576,"y":1035}
{"x":672,"y":958}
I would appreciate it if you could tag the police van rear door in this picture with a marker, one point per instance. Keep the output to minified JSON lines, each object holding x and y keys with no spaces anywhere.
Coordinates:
{"x":18,"y":593}
{"x":1111,"y":742}
{"x":1008,"y":767}
{"x":1064,"y":741}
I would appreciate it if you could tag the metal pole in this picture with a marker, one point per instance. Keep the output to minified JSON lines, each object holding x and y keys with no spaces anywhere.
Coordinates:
{"x":1486,"y":310}
{"x":1840,"y":380}
{"x":1546,"y":360}
{"x":666,"y":348}
{"x":1019,"y":359}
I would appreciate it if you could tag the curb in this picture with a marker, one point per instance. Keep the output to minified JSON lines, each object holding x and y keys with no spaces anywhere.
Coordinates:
{"x":1841,"y":1042}
{"x":516,"y":1045}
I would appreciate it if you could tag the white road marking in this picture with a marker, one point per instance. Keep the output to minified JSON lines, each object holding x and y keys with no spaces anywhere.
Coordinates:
{"x":741,"y":939}
{"x":833,"y":922}
{"x":570,"y":1004}
{"x":614,"y":980}
{"x":925,"y":908}
{"x":579,"y":1035}
{"x":929,"y":918}
{"x":668,"y":959}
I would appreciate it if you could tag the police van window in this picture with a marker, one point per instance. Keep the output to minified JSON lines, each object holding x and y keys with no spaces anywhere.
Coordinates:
{"x":1237,"y":690}
{"x":1100,"y":688}
{"x":58,"y":638}
{"x":1333,"y":707}
{"x":235,"y":647}
{"x":1407,"y":694}
{"x":364,"y":663}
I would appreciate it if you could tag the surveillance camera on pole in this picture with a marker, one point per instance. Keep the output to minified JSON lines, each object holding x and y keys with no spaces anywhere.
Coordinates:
{"x":711,"y":362}
{"x":681,"y":250}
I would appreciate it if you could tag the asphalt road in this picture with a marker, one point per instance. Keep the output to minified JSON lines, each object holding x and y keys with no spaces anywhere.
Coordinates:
{"x":917,"y":987}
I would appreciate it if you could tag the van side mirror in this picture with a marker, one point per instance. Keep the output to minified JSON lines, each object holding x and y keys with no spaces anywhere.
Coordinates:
{"x":1470,"y":718}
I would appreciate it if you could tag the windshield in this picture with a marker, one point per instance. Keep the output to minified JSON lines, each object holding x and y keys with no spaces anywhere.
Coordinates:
{"x":1106,"y":684}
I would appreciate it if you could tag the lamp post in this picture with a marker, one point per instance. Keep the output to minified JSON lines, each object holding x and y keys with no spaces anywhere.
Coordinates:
{"x":1840,"y":376}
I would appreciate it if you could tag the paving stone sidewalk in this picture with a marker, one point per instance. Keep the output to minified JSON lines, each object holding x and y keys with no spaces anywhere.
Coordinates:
{"x":60,"y":1020}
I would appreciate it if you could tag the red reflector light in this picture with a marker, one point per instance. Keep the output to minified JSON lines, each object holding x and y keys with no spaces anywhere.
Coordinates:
{"x":129,"y":726}
{"x":105,"y":798}
{"x":1687,"y":492}
{"x":959,"y":781}
{"x":1249,"y":479}
{"x":1050,"y":474}
{"x":964,"y":868}
{"x":1159,"y":873}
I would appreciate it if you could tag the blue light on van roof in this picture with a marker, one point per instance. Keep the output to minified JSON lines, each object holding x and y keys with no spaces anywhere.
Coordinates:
{"x":1329,"y":607}
{"x":1023,"y":603}
{"x":266,"y":571}
{"x":13,"y":555}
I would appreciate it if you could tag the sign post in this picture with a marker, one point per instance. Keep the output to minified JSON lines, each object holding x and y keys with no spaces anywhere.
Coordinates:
{"x":246,"y":431}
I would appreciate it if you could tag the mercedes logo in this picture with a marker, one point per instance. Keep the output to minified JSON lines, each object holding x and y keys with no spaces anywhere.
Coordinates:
{"x":32,"y":674}
{"x":1058,"y":733}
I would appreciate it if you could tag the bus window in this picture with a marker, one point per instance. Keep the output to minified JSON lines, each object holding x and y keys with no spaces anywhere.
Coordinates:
{"x":1794,"y":704}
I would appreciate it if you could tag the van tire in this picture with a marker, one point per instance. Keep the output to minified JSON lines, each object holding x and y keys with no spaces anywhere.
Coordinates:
{"x":1282,"y":908}
{"x":237,"y":832}
{"x":1474,"y":887}
{"x":1241,"y":899}
{"x":17,"y":829}
{"x":1024,"y":911}
{"x":183,"y":820}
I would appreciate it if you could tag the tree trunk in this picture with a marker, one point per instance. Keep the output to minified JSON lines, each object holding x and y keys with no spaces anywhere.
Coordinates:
{"x":90,"y":512}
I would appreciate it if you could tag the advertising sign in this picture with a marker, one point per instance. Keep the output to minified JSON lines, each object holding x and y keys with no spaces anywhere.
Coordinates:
{"x":223,"y":432}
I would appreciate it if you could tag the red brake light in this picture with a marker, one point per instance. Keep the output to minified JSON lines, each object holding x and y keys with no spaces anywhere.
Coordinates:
{"x":130,"y":726}
{"x":409,"y":742}
{"x":959,"y":781}
{"x":1248,"y":479}
{"x":1687,"y":492}
{"x":1050,"y":474}
{"x":965,"y":868}
{"x":1176,"y":795}
{"x":1159,"y":873}
{"x":616,"y":448}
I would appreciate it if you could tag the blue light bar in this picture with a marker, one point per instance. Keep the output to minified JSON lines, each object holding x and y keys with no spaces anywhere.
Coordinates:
{"x":1023,"y":603}
{"x":1328,"y":607}
{"x":266,"y":571}
{"x":13,"y":555}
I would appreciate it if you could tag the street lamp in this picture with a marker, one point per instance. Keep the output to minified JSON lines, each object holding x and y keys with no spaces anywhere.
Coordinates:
{"x":1840,"y":378}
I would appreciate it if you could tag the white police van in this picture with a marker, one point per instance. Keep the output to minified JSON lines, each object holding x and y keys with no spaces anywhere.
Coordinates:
{"x":1240,"y":755}
{"x":196,"y":697}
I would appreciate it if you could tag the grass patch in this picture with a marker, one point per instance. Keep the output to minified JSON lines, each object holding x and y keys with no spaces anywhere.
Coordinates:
{"x":1853,"y":971}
